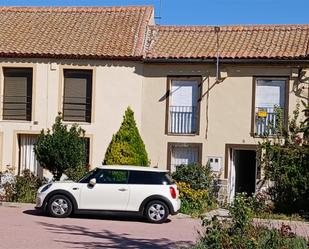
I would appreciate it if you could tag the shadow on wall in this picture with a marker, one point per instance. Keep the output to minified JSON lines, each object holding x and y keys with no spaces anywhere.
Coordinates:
{"x":84,"y":238}
{"x":301,"y":86}
{"x":135,"y":65}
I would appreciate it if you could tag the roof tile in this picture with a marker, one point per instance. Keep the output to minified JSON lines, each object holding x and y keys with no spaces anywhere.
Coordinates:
{"x":251,"y":41}
{"x":73,"y":31}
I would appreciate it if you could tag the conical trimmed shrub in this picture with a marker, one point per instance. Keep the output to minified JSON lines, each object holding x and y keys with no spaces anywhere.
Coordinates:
{"x":127,"y":146}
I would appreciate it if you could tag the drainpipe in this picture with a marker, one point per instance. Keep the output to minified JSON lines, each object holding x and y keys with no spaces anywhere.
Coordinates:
{"x":217,"y":30}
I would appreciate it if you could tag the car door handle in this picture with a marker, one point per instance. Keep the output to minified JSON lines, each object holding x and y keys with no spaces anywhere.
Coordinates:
{"x":75,"y":188}
{"x":122,"y":189}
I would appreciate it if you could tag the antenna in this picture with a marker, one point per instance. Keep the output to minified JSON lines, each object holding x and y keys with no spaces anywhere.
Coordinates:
{"x":158,"y":17}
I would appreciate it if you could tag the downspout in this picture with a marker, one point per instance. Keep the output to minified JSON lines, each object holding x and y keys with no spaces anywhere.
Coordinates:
{"x":217,"y":30}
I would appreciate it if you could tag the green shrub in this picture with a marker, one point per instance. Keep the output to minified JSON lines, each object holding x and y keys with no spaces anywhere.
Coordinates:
{"x":62,"y":150}
{"x":194,"y":202}
{"x":239,"y":232}
{"x":286,"y":163}
{"x":273,"y":239}
{"x":26,"y":187}
{"x":21,"y":188}
{"x":75,"y":174}
{"x":127,"y":146}
{"x":242,"y":213}
{"x":194,"y":183}
{"x":198,"y":176}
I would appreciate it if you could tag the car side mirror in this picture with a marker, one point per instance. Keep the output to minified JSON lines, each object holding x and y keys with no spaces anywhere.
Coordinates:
{"x":92,"y":182}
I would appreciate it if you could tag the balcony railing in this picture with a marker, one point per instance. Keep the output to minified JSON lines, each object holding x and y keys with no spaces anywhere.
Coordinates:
{"x":268,"y":121}
{"x":182,"y":119}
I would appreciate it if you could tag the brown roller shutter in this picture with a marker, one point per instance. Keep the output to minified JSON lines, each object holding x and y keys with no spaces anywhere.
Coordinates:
{"x":17,"y":99}
{"x":77,"y":95}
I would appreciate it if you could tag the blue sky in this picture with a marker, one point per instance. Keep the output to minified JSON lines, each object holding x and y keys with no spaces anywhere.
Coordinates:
{"x":201,"y":12}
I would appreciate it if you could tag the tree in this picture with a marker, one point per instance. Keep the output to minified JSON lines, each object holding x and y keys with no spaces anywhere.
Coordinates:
{"x":62,"y":150}
{"x":286,"y":163}
{"x":127,"y":146}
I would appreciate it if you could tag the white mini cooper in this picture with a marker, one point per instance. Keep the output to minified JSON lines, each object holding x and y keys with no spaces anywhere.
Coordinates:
{"x":148,"y":191}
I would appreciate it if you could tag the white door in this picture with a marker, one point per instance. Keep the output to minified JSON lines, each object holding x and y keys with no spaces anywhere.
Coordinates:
{"x":111,"y":192}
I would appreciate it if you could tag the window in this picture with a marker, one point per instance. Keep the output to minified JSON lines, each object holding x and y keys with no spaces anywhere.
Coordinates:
{"x":27,"y":158}
{"x":110,"y":176}
{"x":270,"y":103}
{"x":77,"y":95}
{"x":17,"y":95}
{"x":142,"y":177}
{"x":183,"y":154}
{"x":183,"y":105}
{"x":90,"y":174}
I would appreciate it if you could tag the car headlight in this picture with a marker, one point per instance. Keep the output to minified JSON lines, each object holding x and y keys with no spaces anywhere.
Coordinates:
{"x":46,"y":187}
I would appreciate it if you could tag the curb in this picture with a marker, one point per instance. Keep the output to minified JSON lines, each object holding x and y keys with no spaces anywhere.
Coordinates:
{"x":183,"y":216}
{"x":15,"y":204}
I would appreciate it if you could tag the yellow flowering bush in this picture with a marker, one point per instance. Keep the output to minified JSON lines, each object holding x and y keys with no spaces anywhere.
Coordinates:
{"x":194,"y":201}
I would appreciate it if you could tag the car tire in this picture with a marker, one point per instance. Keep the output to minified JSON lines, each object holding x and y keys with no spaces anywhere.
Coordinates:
{"x":59,"y":206}
{"x":156,"y":212}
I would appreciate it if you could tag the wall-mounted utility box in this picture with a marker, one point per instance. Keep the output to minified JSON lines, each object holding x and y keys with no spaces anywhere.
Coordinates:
{"x":215,"y":163}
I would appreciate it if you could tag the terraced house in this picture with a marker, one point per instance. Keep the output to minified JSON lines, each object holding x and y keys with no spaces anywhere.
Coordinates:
{"x":199,"y":93}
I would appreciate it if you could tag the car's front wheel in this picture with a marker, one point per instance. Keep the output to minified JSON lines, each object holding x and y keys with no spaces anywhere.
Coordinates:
{"x":59,"y":206}
{"x":156,"y":212}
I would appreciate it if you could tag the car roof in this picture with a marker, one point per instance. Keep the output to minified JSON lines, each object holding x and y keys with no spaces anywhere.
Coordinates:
{"x":130,"y":167}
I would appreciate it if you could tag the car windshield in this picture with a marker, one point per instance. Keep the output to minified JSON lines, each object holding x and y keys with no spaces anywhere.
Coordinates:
{"x":91,"y":174}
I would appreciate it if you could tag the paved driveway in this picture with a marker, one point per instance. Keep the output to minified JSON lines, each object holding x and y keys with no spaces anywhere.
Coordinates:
{"x":24,"y":227}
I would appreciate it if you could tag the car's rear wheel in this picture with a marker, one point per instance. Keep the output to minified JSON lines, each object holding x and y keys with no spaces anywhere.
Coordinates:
{"x":59,"y":206}
{"x":156,"y":212}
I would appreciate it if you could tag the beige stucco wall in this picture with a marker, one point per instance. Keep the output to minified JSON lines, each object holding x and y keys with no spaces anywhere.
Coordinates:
{"x":225,"y":116}
{"x":225,"y":107}
{"x":116,"y":86}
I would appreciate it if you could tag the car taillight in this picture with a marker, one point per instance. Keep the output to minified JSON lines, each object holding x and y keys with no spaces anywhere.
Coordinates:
{"x":173,"y":192}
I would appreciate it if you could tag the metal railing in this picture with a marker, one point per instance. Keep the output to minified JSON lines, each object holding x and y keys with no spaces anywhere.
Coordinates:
{"x":182,"y":119}
{"x":268,"y":121}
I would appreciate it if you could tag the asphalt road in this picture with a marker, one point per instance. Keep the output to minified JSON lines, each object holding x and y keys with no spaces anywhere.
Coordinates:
{"x":26,"y":228}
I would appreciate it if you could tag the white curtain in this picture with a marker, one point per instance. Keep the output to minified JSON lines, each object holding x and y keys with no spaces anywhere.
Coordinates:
{"x":232,"y":176}
{"x":183,"y":156}
{"x":184,"y":93}
{"x":27,"y":159}
{"x":270,"y":93}
{"x":184,"y":97}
